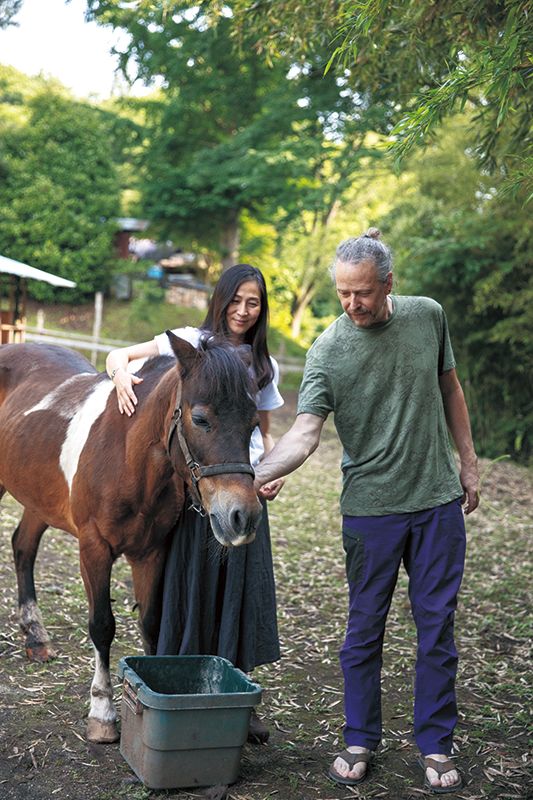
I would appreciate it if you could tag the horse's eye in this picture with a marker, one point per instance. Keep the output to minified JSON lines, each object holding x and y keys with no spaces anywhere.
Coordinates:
{"x":201,"y":422}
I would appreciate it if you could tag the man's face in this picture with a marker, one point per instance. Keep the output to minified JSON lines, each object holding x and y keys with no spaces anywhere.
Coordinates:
{"x":363,"y":296}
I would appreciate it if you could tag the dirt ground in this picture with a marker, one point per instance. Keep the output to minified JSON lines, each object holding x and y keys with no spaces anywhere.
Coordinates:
{"x":43,"y":750}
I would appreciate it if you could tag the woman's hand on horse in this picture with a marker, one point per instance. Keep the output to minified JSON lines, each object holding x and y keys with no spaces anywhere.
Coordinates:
{"x":124,"y":382}
{"x":269,"y":491}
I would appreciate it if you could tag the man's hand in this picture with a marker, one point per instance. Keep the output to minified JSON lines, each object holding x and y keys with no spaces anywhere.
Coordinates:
{"x":469,"y":478}
{"x":271,"y":490}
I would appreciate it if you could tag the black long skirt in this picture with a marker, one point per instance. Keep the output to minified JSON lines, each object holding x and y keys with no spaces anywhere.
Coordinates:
{"x":217,"y":601}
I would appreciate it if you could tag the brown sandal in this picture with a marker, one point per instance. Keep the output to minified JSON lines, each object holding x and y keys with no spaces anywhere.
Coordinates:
{"x":351,"y":759}
{"x":441,"y":768}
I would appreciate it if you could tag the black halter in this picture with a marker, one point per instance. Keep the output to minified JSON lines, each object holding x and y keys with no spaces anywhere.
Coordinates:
{"x":197,"y":470}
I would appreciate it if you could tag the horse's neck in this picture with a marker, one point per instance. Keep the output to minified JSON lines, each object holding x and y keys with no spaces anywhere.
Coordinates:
{"x":146,"y":438}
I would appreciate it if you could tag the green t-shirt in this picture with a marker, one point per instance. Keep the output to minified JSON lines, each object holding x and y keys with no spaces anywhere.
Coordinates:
{"x":381,"y":383}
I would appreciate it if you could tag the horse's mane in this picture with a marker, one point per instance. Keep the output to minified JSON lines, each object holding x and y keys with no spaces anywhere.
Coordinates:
{"x":155,"y":366}
{"x":223,"y":372}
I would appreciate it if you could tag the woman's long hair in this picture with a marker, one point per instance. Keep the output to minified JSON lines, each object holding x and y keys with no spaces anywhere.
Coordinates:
{"x":215,"y":321}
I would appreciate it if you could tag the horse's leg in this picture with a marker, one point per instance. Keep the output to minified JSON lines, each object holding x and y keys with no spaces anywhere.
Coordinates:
{"x":95,"y":564}
{"x":148,"y":587}
{"x":25,"y":543}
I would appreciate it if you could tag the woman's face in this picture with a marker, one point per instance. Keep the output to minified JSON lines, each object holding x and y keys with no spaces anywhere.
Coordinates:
{"x":244,"y":310}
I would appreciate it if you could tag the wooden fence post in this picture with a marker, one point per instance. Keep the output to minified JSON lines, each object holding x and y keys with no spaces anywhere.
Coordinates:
{"x":97,"y":324}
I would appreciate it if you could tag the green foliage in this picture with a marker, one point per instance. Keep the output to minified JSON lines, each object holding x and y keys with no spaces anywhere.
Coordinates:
{"x":147,"y":315}
{"x":147,"y":296}
{"x":8,"y":11}
{"x":59,"y":192}
{"x":233,"y":136}
{"x":352,"y":191}
{"x":208,"y":133}
{"x":456,"y":240}
{"x":429,"y":59}
{"x":125,"y":123}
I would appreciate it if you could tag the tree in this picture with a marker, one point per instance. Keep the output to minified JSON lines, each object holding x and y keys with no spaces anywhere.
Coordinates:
{"x":207,"y":130}
{"x":456,"y":240}
{"x":231,"y":135}
{"x":59,"y":192}
{"x":8,"y":11}
{"x":430,"y":58}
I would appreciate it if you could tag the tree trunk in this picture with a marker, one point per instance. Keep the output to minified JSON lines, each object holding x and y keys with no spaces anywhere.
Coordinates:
{"x":300,"y":304}
{"x":230,"y":240}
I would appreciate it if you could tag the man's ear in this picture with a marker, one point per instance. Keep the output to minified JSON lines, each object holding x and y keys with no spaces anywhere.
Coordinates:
{"x":184,"y":352}
{"x":388,"y":283}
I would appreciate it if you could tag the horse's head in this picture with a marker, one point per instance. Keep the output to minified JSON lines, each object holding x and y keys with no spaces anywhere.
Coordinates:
{"x":214,"y":419}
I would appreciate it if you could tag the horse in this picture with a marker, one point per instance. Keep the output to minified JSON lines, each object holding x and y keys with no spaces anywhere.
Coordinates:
{"x":119,"y":483}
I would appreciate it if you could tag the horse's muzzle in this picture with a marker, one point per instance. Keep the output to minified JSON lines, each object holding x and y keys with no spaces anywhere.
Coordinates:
{"x":235,"y":525}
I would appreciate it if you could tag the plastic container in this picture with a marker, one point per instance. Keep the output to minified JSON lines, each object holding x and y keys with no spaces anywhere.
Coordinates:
{"x":184,"y":719}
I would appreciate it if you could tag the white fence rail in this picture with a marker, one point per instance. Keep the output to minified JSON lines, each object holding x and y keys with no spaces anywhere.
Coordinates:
{"x":78,"y":341}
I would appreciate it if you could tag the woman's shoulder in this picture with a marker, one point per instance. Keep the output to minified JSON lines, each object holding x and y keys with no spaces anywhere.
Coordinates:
{"x":190,"y":334}
{"x":275,"y":367}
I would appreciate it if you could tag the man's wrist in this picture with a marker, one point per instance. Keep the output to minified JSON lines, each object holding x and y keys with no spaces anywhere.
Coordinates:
{"x":261,"y":475}
{"x":469,"y":460}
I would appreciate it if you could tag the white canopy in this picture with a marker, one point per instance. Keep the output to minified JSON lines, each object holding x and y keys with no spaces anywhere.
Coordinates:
{"x":24,"y":271}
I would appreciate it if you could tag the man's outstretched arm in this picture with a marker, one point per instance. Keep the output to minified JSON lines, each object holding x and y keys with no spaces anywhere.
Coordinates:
{"x":292,"y":449}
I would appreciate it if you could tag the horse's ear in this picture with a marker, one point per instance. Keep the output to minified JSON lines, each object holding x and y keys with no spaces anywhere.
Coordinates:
{"x":184,"y":352}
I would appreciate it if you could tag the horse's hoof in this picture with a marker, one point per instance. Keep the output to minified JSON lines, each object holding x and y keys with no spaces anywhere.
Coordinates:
{"x":40,"y":652}
{"x":102,"y":732}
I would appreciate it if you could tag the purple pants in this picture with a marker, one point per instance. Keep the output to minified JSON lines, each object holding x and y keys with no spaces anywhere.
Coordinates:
{"x":431,"y":544}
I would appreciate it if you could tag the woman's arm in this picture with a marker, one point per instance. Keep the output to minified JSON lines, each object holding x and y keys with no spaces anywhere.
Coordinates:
{"x":269,"y":490}
{"x":117,"y":368}
{"x":264,"y":427}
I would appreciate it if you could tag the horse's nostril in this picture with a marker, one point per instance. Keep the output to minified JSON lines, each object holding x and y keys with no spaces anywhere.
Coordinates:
{"x":235,"y":525}
{"x":237,"y":520}
{"x":243,"y":522}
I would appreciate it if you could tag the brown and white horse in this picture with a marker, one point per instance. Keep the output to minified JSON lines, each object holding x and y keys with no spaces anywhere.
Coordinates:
{"x":118,"y":483}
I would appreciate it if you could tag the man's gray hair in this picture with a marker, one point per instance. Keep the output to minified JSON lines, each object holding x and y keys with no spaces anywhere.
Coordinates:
{"x":361,"y":248}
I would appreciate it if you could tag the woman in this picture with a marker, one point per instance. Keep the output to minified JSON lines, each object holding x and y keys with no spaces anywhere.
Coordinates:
{"x":219,"y":603}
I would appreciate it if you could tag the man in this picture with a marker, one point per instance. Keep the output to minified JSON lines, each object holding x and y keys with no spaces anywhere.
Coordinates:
{"x":385,"y":369}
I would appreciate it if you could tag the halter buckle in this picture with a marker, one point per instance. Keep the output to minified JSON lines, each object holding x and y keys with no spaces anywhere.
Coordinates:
{"x":198,"y":508}
{"x":196,"y":471}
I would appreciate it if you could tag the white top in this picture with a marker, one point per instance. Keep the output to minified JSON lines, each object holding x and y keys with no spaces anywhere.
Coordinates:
{"x":267,"y":399}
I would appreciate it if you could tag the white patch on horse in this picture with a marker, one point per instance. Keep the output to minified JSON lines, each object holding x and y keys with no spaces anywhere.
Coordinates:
{"x":31,"y":622}
{"x":53,"y":399}
{"x":102,"y":706}
{"x":80,"y":427}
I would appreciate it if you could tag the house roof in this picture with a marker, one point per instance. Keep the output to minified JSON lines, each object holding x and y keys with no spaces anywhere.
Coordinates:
{"x":132,"y":224}
{"x":24,"y":271}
